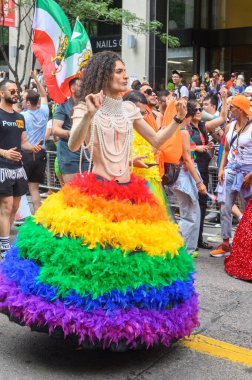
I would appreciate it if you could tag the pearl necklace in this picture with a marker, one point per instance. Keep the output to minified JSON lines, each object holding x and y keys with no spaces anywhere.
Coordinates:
{"x":111,"y":116}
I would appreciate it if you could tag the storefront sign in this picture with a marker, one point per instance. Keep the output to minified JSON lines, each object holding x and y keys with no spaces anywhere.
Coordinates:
{"x":106,"y":43}
{"x":7,"y":13}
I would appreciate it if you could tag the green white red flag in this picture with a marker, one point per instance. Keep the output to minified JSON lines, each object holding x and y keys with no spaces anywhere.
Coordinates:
{"x":61,"y":53}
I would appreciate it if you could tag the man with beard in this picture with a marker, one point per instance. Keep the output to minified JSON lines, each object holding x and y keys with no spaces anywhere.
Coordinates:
{"x":68,"y":161}
{"x":13,"y":179}
{"x":151,"y":98}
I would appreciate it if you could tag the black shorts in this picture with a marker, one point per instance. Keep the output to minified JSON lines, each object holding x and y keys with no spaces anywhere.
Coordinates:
{"x":35,"y":165}
{"x":13,"y":182}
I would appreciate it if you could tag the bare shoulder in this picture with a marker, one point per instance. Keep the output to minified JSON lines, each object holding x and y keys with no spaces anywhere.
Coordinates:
{"x":132,"y":111}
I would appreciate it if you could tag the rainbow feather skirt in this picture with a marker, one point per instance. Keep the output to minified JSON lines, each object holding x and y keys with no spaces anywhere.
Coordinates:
{"x":102,"y":262}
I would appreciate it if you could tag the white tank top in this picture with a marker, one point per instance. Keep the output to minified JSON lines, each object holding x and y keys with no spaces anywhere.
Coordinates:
{"x":241,"y":149}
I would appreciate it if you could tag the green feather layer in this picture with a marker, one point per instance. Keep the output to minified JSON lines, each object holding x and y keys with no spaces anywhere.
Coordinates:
{"x":68,"y":264}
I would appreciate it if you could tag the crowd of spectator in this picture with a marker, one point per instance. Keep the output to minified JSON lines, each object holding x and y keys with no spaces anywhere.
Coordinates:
{"x":212,"y":104}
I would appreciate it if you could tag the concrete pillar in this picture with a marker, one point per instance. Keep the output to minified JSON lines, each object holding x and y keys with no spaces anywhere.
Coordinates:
{"x":136,"y":57}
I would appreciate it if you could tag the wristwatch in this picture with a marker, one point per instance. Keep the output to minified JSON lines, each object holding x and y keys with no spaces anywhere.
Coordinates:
{"x":177,"y":120}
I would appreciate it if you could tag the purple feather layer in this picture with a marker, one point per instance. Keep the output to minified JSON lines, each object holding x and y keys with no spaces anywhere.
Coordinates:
{"x":134,"y":325}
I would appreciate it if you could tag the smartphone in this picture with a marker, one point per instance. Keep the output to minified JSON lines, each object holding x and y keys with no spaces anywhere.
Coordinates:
{"x":150,"y":165}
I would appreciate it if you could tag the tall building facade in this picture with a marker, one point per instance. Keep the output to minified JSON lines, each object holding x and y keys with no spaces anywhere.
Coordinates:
{"x":212,"y":33}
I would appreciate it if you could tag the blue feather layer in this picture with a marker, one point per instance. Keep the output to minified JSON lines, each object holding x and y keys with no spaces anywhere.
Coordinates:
{"x":25,"y":273}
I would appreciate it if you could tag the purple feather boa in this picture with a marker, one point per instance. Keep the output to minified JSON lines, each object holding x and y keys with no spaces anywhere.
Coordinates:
{"x":150,"y":327}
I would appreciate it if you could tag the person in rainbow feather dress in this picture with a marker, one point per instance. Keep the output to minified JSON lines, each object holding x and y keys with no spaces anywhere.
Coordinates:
{"x":101,"y":260}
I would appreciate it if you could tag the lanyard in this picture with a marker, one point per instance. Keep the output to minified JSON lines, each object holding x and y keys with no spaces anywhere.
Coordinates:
{"x":238,"y":136}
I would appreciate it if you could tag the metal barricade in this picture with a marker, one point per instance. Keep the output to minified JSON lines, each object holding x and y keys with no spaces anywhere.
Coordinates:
{"x":51,"y":181}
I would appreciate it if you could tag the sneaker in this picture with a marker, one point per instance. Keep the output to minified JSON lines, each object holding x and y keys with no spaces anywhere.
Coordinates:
{"x":221,"y":250}
{"x":2,"y":254}
{"x":204,"y":245}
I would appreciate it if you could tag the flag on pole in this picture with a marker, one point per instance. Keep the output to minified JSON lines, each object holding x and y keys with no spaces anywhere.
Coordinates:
{"x":61,"y":54}
{"x":78,"y":52}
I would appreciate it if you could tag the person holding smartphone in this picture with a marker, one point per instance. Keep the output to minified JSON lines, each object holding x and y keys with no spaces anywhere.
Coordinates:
{"x":198,"y":130}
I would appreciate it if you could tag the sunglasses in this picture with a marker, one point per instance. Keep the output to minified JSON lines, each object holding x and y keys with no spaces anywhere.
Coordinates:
{"x":12,"y":92}
{"x":149,"y":91}
{"x":145,"y":113}
{"x":198,"y":109}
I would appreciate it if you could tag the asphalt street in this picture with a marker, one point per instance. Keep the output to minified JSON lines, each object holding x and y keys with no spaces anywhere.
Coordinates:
{"x":225,"y":315}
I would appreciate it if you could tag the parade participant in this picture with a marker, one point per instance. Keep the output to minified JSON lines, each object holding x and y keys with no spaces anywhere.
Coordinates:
{"x":236,"y":163}
{"x":239,"y":263}
{"x":198,"y":131}
{"x":151,"y":97}
{"x":104,"y":262}
{"x":186,"y":188}
{"x":36,"y":117}
{"x":13,"y":179}
{"x":68,"y":161}
{"x":147,"y":168}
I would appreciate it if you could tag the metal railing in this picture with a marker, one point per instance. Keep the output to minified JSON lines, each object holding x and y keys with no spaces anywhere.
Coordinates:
{"x":51,"y":181}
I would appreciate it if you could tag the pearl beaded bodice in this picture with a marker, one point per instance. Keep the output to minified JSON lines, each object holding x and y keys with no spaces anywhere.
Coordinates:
{"x":112,"y":132}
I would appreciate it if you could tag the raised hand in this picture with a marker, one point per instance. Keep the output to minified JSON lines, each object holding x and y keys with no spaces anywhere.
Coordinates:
{"x":93,"y":102}
{"x":181,"y":108}
{"x":33,"y":74}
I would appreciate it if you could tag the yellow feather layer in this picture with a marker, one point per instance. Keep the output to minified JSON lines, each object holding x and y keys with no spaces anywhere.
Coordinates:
{"x":141,"y":147}
{"x":156,"y":238}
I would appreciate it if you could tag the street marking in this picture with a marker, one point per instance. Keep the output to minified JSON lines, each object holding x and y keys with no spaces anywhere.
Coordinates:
{"x":219,"y":349}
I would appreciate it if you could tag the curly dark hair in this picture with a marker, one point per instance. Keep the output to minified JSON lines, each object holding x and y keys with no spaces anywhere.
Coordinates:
{"x":191,"y":105}
{"x":98,"y":72}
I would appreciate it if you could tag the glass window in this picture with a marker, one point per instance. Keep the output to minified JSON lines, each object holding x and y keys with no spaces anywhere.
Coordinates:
{"x":228,"y":14}
{"x":181,"y":59}
{"x":181,"y":14}
{"x":204,"y":14}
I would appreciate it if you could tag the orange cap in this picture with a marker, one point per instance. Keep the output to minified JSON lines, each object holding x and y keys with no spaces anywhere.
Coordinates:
{"x":242,"y":102}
